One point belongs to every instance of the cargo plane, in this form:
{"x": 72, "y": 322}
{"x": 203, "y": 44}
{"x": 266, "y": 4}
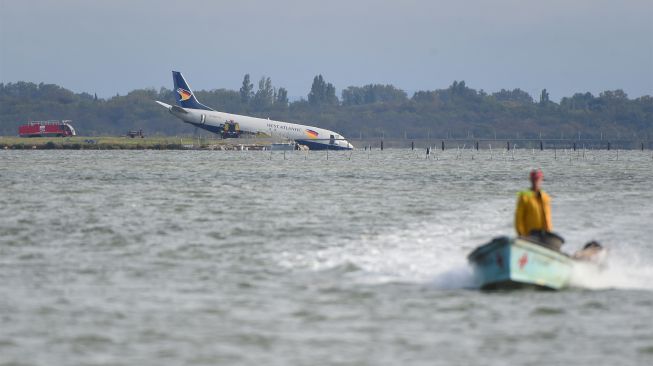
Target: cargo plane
{"x": 191, "y": 111}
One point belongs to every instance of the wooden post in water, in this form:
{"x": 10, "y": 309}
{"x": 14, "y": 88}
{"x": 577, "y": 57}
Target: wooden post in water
{"x": 541, "y": 145}
{"x": 412, "y": 145}
{"x": 381, "y": 145}
{"x": 476, "y": 145}
{"x": 574, "y": 146}
{"x": 508, "y": 145}
{"x": 608, "y": 145}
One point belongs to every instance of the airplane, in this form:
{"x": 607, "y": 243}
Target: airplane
{"x": 191, "y": 111}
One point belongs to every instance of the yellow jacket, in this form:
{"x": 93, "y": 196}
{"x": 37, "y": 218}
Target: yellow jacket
{"x": 533, "y": 212}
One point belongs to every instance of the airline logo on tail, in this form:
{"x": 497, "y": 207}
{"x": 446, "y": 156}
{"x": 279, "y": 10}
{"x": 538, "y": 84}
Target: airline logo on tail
{"x": 184, "y": 94}
{"x": 312, "y": 134}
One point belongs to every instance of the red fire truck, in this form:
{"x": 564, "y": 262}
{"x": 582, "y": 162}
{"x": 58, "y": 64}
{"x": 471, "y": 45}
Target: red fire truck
{"x": 46, "y": 129}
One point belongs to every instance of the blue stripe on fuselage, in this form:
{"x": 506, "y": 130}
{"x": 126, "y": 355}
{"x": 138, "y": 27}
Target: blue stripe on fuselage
{"x": 313, "y": 145}
{"x": 210, "y": 128}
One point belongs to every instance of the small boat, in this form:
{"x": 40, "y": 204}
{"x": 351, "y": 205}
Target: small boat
{"x": 511, "y": 263}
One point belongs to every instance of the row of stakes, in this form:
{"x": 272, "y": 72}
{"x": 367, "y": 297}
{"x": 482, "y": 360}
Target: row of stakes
{"x": 460, "y": 152}
{"x": 412, "y": 146}
{"x": 430, "y": 149}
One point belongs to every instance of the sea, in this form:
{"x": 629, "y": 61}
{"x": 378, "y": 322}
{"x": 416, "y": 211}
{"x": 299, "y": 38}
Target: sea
{"x": 313, "y": 258}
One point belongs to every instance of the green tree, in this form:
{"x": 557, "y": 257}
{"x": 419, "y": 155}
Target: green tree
{"x": 457, "y": 110}
{"x": 544, "y": 98}
{"x": 371, "y": 93}
{"x": 281, "y": 97}
{"x": 516, "y": 95}
{"x": 246, "y": 91}
{"x": 353, "y": 95}
{"x": 614, "y": 95}
{"x": 330, "y": 95}
{"x": 578, "y": 101}
{"x": 318, "y": 91}
{"x": 322, "y": 93}
{"x": 264, "y": 96}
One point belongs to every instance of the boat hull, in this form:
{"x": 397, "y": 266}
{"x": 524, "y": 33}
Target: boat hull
{"x": 508, "y": 263}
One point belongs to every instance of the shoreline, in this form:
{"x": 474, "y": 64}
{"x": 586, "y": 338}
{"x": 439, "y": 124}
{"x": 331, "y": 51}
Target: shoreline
{"x": 128, "y": 143}
{"x": 264, "y": 143}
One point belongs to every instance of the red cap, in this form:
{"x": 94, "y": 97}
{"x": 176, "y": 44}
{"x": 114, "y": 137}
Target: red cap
{"x": 536, "y": 174}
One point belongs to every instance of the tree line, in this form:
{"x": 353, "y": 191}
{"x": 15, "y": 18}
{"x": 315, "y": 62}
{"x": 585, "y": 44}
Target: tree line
{"x": 367, "y": 111}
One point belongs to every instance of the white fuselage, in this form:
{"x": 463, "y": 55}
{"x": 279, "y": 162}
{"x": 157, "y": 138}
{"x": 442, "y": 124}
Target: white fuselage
{"x": 314, "y": 137}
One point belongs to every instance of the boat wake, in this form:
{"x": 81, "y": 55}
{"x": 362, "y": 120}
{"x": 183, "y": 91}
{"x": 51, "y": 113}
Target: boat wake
{"x": 422, "y": 253}
{"x": 624, "y": 269}
{"x": 435, "y": 255}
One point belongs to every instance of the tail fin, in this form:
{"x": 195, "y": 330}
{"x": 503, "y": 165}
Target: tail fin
{"x": 185, "y": 97}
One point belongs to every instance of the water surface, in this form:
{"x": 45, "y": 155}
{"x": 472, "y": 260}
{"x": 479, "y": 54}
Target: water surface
{"x": 355, "y": 258}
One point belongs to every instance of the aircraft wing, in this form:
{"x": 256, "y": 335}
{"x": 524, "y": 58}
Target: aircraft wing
{"x": 163, "y": 104}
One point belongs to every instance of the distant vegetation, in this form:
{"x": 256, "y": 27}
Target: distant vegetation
{"x": 371, "y": 111}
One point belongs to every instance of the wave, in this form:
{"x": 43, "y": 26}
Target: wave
{"x": 625, "y": 268}
{"x": 431, "y": 254}
{"x": 435, "y": 255}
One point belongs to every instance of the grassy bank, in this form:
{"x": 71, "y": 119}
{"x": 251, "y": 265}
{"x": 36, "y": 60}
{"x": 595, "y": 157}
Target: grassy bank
{"x": 125, "y": 143}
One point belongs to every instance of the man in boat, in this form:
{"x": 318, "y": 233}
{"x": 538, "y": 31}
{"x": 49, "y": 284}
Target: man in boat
{"x": 533, "y": 214}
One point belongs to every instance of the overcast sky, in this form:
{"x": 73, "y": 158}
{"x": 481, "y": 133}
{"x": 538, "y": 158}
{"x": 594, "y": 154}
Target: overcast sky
{"x": 111, "y": 47}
